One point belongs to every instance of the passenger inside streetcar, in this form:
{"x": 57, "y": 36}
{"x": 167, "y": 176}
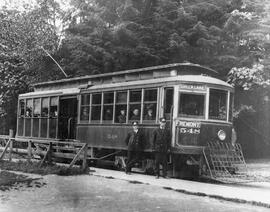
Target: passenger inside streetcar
{"x": 122, "y": 116}
{"x": 149, "y": 115}
{"x": 108, "y": 115}
{"x": 135, "y": 115}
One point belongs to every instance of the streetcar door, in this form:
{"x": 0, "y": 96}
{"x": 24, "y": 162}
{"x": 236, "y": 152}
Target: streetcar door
{"x": 67, "y": 117}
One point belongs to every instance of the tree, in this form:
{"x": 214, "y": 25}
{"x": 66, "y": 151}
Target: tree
{"x": 22, "y": 36}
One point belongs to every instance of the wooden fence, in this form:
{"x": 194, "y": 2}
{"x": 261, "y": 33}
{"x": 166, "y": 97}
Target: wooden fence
{"x": 46, "y": 150}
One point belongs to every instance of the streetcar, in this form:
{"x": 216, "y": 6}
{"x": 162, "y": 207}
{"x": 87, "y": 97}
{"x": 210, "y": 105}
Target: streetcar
{"x": 99, "y": 109}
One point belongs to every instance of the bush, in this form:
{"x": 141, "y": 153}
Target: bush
{"x": 33, "y": 167}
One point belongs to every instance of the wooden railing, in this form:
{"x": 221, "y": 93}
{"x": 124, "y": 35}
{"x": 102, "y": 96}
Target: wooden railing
{"x": 47, "y": 150}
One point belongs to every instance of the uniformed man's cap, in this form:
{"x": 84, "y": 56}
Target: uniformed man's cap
{"x": 135, "y": 123}
{"x": 162, "y": 119}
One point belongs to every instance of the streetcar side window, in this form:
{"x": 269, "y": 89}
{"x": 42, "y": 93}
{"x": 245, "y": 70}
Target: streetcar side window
{"x": 96, "y": 107}
{"x": 218, "y": 104}
{"x": 168, "y": 102}
{"x": 54, "y": 107}
{"x": 135, "y": 98}
{"x": 28, "y": 115}
{"x": 45, "y": 107}
{"x": 29, "y": 108}
{"x": 44, "y": 114}
{"x": 108, "y": 106}
{"x": 191, "y": 105}
{"x": 37, "y": 107}
{"x": 85, "y": 106}
{"x": 53, "y": 116}
{"x": 150, "y": 105}
{"x": 22, "y": 107}
{"x": 121, "y": 107}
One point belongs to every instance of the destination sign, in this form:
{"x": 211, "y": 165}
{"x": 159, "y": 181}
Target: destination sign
{"x": 192, "y": 87}
{"x": 189, "y": 127}
{"x": 190, "y": 124}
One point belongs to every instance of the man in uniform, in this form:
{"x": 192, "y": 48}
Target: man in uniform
{"x": 135, "y": 143}
{"x": 161, "y": 143}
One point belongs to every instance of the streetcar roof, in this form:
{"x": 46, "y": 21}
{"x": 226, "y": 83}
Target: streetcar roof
{"x": 195, "y": 79}
{"x": 66, "y": 91}
{"x": 129, "y": 75}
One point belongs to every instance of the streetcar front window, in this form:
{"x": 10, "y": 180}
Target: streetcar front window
{"x": 191, "y": 105}
{"x": 218, "y": 104}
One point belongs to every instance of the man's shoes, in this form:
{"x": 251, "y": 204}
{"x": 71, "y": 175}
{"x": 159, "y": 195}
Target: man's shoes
{"x": 128, "y": 173}
{"x": 157, "y": 176}
{"x": 166, "y": 177}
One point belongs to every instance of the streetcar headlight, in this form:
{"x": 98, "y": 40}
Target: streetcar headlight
{"x": 221, "y": 135}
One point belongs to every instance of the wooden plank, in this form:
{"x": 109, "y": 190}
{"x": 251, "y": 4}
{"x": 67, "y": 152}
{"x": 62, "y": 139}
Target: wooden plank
{"x": 62, "y": 155}
{"x": 4, "y": 137}
{"x": 77, "y": 156}
{"x": 48, "y": 152}
{"x": 29, "y": 150}
{"x": 6, "y": 147}
{"x": 48, "y": 141}
{"x": 11, "y": 136}
{"x": 84, "y": 164}
{"x": 10, "y": 150}
{"x": 65, "y": 148}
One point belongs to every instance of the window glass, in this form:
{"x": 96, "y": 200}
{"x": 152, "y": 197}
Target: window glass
{"x": 85, "y": 106}
{"x": 96, "y": 99}
{"x": 108, "y": 106}
{"x": 108, "y": 98}
{"x": 135, "y": 96}
{"x": 29, "y": 108}
{"x": 85, "y": 99}
{"x": 108, "y": 112}
{"x": 22, "y": 107}
{"x": 135, "y": 105}
{"x": 53, "y": 107}
{"x": 95, "y": 114}
{"x": 37, "y": 107}
{"x": 218, "y": 104}
{"x": 168, "y": 100}
{"x": 191, "y": 105}
{"x": 121, "y": 107}
{"x": 96, "y": 107}
{"x": 150, "y": 105}
{"x": 45, "y": 107}
{"x": 85, "y": 113}
{"x": 121, "y": 97}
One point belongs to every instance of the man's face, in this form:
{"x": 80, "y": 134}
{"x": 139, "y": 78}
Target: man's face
{"x": 135, "y": 127}
{"x": 162, "y": 124}
{"x": 123, "y": 112}
{"x": 136, "y": 112}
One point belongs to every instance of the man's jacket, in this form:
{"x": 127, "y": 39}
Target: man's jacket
{"x": 135, "y": 141}
{"x": 161, "y": 140}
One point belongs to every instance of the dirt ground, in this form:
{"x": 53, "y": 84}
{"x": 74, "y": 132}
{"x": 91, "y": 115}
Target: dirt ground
{"x": 92, "y": 193}
{"x": 29, "y": 192}
{"x": 10, "y": 181}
